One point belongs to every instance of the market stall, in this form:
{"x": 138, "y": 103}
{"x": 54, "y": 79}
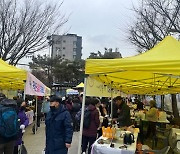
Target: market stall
{"x": 11, "y": 78}
{"x": 81, "y": 85}
{"x": 156, "y": 71}
{"x": 72, "y": 92}
{"x": 116, "y": 146}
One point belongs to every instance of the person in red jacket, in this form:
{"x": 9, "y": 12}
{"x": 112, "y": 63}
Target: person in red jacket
{"x": 90, "y": 134}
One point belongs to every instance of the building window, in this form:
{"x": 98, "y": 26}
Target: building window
{"x": 58, "y": 42}
{"x": 64, "y": 41}
{"x": 64, "y": 48}
{"x": 74, "y": 49}
{"x": 74, "y": 42}
{"x": 74, "y": 53}
{"x": 74, "y": 56}
{"x": 58, "y": 49}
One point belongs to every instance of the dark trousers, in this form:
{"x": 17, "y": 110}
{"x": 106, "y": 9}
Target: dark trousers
{"x": 99, "y": 132}
{"x": 38, "y": 121}
{"x": 16, "y": 150}
{"x": 87, "y": 142}
{"x": 7, "y": 148}
{"x": 45, "y": 115}
{"x": 76, "y": 126}
{"x": 151, "y": 129}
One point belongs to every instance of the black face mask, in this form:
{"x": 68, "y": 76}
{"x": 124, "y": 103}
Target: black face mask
{"x": 53, "y": 108}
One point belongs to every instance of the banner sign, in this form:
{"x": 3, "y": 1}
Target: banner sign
{"x": 34, "y": 86}
{"x": 98, "y": 89}
{"x": 48, "y": 91}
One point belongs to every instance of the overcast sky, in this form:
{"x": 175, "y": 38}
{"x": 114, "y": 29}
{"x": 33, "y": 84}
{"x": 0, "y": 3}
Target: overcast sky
{"x": 101, "y": 23}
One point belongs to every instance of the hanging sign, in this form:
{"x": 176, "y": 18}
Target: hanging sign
{"x": 96, "y": 88}
{"x": 34, "y": 86}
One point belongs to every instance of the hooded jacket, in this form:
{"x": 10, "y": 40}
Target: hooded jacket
{"x": 58, "y": 131}
{"x": 23, "y": 121}
{"x": 95, "y": 122}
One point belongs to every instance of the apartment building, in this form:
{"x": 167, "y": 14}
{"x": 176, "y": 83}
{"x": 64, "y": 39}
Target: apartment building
{"x": 67, "y": 46}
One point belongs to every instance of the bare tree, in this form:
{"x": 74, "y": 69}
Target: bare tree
{"x": 155, "y": 20}
{"x": 108, "y": 54}
{"x": 24, "y": 25}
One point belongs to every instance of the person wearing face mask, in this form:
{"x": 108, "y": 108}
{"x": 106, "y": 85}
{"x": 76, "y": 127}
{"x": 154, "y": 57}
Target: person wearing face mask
{"x": 24, "y": 121}
{"x": 59, "y": 130}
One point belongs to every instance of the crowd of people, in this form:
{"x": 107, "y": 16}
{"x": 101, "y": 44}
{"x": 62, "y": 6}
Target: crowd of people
{"x": 13, "y": 121}
{"x": 62, "y": 118}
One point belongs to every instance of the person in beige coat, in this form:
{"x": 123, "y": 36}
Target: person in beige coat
{"x": 152, "y": 114}
{"x": 152, "y": 117}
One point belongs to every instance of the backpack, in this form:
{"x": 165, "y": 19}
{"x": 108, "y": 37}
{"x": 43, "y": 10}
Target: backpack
{"x": 9, "y": 124}
{"x": 87, "y": 118}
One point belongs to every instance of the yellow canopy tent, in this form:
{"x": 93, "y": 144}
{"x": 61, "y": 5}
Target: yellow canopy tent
{"x": 156, "y": 71}
{"x": 48, "y": 91}
{"x": 72, "y": 92}
{"x": 81, "y": 85}
{"x": 11, "y": 77}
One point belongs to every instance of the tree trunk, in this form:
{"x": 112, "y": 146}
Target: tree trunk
{"x": 174, "y": 106}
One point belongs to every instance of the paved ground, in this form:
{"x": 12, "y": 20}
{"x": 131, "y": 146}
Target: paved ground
{"x": 36, "y": 143}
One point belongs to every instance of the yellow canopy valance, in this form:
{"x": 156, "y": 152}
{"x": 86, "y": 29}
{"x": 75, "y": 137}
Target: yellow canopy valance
{"x": 11, "y": 77}
{"x": 156, "y": 71}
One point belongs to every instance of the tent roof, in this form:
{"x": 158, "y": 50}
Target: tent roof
{"x": 156, "y": 71}
{"x": 81, "y": 85}
{"x": 72, "y": 92}
{"x": 11, "y": 77}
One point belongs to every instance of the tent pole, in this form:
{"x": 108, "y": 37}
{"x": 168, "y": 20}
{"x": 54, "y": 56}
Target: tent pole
{"x": 82, "y": 116}
{"x": 162, "y": 102}
{"x": 24, "y": 96}
{"x": 111, "y": 101}
{"x": 35, "y": 125}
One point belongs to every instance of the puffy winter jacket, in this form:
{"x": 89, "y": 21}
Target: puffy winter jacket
{"x": 58, "y": 131}
{"x": 23, "y": 121}
{"x": 95, "y": 122}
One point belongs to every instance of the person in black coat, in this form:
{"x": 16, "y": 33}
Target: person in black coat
{"x": 75, "y": 109}
{"x": 123, "y": 112}
{"x": 139, "y": 105}
{"x": 59, "y": 130}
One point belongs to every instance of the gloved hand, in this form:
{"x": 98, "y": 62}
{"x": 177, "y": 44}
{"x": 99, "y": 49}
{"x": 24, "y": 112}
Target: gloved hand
{"x": 22, "y": 126}
{"x": 23, "y": 131}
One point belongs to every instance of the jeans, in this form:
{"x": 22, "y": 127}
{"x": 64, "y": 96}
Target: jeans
{"x": 85, "y": 141}
{"x": 7, "y": 148}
